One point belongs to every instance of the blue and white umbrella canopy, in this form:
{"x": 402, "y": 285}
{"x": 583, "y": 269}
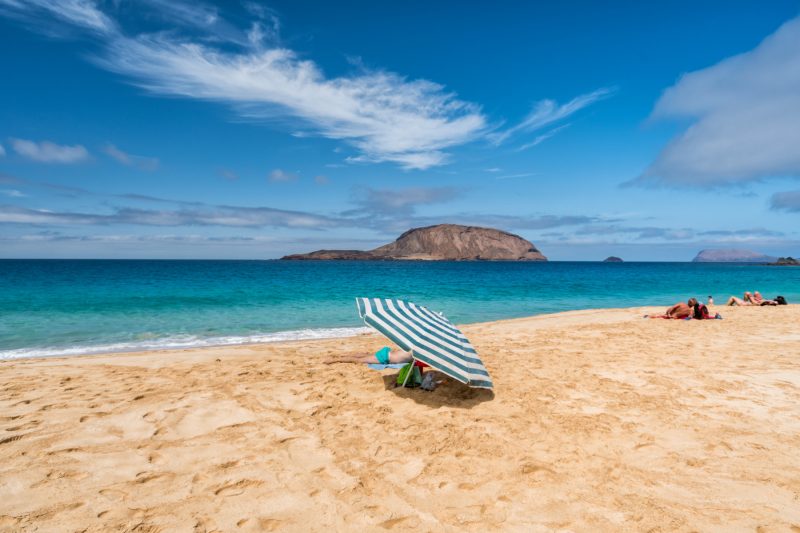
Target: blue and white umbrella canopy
{"x": 429, "y": 336}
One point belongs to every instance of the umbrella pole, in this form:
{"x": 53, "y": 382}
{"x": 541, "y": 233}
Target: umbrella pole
{"x": 410, "y": 370}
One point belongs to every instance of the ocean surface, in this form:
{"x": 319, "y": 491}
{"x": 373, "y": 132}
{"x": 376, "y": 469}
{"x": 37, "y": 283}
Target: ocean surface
{"x": 63, "y": 307}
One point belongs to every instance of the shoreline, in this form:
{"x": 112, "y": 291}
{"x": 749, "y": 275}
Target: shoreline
{"x": 600, "y": 420}
{"x": 328, "y": 333}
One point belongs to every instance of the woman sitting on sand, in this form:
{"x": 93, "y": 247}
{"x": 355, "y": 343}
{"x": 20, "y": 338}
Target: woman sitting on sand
{"x": 701, "y": 312}
{"x": 384, "y": 356}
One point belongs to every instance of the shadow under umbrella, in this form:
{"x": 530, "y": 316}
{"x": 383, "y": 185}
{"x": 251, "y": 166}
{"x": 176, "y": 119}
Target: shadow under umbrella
{"x": 450, "y": 393}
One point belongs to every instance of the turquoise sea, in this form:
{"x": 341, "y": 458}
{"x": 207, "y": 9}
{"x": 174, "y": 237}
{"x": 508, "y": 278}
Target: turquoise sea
{"x": 61, "y": 307}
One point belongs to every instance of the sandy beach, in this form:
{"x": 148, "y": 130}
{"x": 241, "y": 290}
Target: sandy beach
{"x": 600, "y": 421}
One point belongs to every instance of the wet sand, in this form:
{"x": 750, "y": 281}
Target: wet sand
{"x": 600, "y": 421}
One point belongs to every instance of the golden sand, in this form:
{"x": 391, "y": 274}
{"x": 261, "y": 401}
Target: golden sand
{"x": 600, "y": 421}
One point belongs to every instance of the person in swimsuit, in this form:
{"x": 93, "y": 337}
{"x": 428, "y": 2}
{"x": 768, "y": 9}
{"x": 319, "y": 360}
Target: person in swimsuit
{"x": 747, "y": 300}
{"x": 384, "y": 356}
{"x": 760, "y": 300}
{"x": 680, "y": 310}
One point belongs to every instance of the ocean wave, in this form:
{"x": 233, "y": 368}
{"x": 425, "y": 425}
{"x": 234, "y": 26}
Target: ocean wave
{"x": 182, "y": 341}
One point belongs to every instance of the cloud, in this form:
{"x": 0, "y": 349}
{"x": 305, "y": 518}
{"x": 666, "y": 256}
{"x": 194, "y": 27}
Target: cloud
{"x": 546, "y": 112}
{"x": 281, "y": 175}
{"x": 647, "y": 232}
{"x": 173, "y": 245}
{"x": 745, "y": 112}
{"x": 537, "y": 222}
{"x": 383, "y": 115}
{"x": 399, "y": 222}
{"x": 196, "y": 14}
{"x": 140, "y": 162}
{"x": 82, "y": 14}
{"x": 786, "y": 201}
{"x": 228, "y": 174}
{"x": 244, "y": 217}
{"x": 514, "y": 176}
{"x": 543, "y": 137}
{"x": 2, "y": 151}
{"x": 13, "y": 193}
{"x": 392, "y": 202}
{"x": 655, "y": 234}
{"x": 752, "y": 232}
{"x": 48, "y": 152}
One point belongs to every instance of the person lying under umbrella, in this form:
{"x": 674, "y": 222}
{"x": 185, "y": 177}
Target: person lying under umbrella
{"x": 384, "y": 356}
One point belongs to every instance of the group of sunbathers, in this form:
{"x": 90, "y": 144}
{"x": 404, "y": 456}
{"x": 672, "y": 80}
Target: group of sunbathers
{"x": 699, "y": 311}
{"x": 685, "y": 311}
{"x": 755, "y": 298}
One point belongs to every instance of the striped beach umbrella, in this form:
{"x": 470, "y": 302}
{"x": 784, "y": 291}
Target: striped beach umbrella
{"x": 429, "y": 336}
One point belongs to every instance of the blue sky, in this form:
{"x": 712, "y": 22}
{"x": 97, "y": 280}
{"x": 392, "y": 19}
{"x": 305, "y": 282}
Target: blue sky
{"x": 169, "y": 129}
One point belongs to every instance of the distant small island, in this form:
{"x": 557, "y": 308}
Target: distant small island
{"x": 786, "y": 261}
{"x": 612, "y": 259}
{"x": 729, "y": 255}
{"x": 444, "y": 242}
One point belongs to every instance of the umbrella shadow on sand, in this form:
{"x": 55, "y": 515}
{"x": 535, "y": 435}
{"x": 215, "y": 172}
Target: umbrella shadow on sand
{"x": 451, "y": 393}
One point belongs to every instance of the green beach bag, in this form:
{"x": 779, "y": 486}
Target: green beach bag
{"x": 414, "y": 380}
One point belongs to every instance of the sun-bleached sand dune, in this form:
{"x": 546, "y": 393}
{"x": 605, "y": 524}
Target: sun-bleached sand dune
{"x": 600, "y": 421}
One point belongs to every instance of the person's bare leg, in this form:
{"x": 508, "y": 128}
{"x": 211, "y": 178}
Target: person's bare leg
{"x": 397, "y": 356}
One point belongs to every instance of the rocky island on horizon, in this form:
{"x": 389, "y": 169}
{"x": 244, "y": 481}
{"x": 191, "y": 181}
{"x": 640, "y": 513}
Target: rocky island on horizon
{"x": 443, "y": 242}
{"x": 612, "y": 259}
{"x": 786, "y": 261}
{"x": 729, "y": 255}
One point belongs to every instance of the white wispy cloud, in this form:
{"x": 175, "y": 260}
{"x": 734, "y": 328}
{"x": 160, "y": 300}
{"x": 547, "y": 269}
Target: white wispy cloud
{"x": 543, "y": 137}
{"x": 547, "y": 112}
{"x": 514, "y": 176}
{"x": 13, "y": 193}
{"x": 383, "y": 115}
{"x": 746, "y": 111}
{"x": 130, "y": 160}
{"x": 278, "y": 175}
{"x": 2, "y": 151}
{"x": 80, "y": 13}
{"x": 49, "y": 152}
{"x": 198, "y": 14}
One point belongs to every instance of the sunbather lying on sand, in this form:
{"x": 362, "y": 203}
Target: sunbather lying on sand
{"x": 747, "y": 300}
{"x": 383, "y": 356}
{"x": 679, "y": 311}
{"x": 690, "y": 309}
{"x": 760, "y": 300}
{"x": 751, "y": 299}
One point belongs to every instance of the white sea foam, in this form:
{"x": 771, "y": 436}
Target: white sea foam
{"x": 182, "y": 341}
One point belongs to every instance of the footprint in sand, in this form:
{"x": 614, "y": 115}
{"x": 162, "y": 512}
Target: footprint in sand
{"x": 13, "y": 438}
{"x": 269, "y": 524}
{"x": 392, "y": 522}
{"x": 237, "y": 488}
{"x": 114, "y": 494}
